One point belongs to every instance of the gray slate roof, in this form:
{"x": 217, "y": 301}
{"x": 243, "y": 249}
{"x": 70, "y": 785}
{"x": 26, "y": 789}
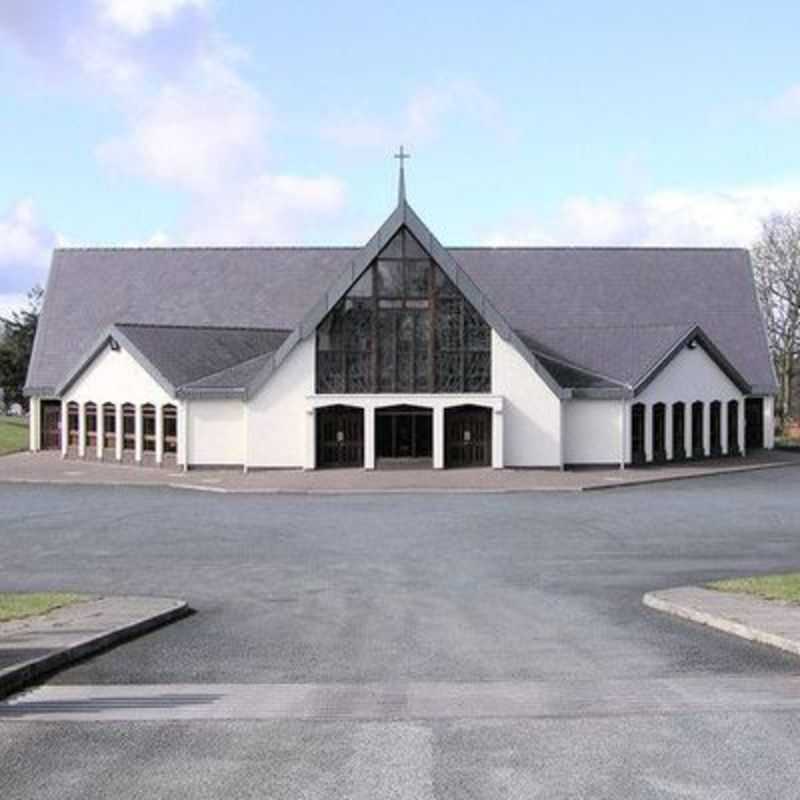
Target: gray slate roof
{"x": 185, "y": 354}
{"x": 609, "y": 314}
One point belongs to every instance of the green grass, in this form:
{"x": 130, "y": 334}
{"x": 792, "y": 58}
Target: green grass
{"x": 769, "y": 587}
{"x": 16, "y": 605}
{"x": 13, "y": 435}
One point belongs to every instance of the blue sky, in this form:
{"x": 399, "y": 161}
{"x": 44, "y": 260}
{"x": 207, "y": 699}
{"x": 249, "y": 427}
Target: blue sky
{"x": 141, "y": 122}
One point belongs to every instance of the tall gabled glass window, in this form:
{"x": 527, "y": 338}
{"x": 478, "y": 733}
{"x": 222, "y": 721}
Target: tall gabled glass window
{"x": 403, "y": 327}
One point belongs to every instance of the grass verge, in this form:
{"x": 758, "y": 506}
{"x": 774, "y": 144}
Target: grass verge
{"x": 16, "y": 605}
{"x": 13, "y": 435}
{"x": 769, "y": 587}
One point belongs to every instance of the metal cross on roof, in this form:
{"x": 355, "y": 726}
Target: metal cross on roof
{"x": 401, "y": 186}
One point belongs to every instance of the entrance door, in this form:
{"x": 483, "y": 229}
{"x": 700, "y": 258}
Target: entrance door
{"x": 468, "y": 436}
{"x": 340, "y": 437}
{"x": 403, "y": 433}
{"x": 753, "y": 423}
{"x": 50, "y": 437}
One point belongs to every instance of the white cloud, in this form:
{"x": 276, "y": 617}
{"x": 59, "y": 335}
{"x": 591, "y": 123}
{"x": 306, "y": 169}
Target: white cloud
{"x": 12, "y": 302}
{"x": 267, "y": 208}
{"x": 194, "y": 135}
{"x": 670, "y": 217}
{"x": 422, "y": 119}
{"x": 137, "y": 17}
{"x": 26, "y": 245}
{"x": 786, "y": 105}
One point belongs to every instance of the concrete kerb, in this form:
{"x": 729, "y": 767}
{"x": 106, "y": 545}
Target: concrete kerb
{"x": 20, "y": 676}
{"x": 665, "y": 602}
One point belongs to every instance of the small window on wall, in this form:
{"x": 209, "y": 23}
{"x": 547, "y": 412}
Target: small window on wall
{"x": 109, "y": 426}
{"x": 73, "y": 424}
{"x": 128, "y": 427}
{"x": 149, "y": 428}
{"x": 91, "y": 424}
{"x": 170, "y": 429}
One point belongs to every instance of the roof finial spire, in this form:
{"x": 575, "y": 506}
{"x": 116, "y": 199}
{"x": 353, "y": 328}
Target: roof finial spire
{"x": 401, "y": 185}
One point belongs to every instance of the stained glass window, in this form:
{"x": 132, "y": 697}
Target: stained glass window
{"x": 403, "y": 327}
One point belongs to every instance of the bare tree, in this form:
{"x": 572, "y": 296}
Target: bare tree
{"x": 776, "y": 261}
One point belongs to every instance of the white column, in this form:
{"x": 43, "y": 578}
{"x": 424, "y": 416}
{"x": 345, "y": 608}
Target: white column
{"x": 438, "y": 437}
{"x": 741, "y": 426}
{"x": 118, "y": 435}
{"x": 562, "y": 436}
{"x": 687, "y": 429}
{"x": 648, "y": 432}
{"x": 64, "y": 429}
{"x": 369, "y": 437}
{"x": 769, "y": 422}
{"x": 100, "y": 429}
{"x": 34, "y": 423}
{"x": 311, "y": 439}
{"x": 623, "y": 434}
{"x": 668, "y": 431}
{"x": 139, "y": 434}
{"x": 498, "y": 461}
{"x": 159, "y": 434}
{"x": 182, "y": 456}
{"x": 706, "y": 429}
{"x": 723, "y": 421}
{"x": 81, "y": 430}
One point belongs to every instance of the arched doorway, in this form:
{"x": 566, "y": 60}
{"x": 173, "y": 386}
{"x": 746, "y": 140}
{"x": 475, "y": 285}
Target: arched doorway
{"x": 468, "y": 436}
{"x": 659, "y": 432}
{"x": 754, "y": 423}
{"x": 637, "y": 434}
{"x": 733, "y": 428}
{"x": 715, "y": 422}
{"x": 678, "y": 431}
{"x": 340, "y": 436}
{"x": 698, "y": 451}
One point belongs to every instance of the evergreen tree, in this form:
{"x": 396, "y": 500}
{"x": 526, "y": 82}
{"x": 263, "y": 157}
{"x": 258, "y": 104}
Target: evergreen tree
{"x": 16, "y": 343}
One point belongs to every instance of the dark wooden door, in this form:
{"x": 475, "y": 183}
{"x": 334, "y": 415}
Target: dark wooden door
{"x": 754, "y": 423}
{"x": 468, "y": 437}
{"x": 50, "y": 437}
{"x": 340, "y": 437}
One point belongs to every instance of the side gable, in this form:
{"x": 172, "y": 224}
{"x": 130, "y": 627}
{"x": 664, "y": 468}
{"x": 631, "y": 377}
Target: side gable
{"x": 403, "y": 215}
{"x": 111, "y": 339}
{"x": 694, "y": 336}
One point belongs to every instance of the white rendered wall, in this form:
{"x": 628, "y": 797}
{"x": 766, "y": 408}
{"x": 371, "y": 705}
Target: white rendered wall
{"x": 117, "y": 377}
{"x": 215, "y": 433}
{"x": 691, "y": 375}
{"x": 592, "y": 432}
{"x": 276, "y": 415}
{"x": 531, "y": 411}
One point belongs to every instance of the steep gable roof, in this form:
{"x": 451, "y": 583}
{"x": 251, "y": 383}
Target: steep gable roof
{"x": 606, "y": 312}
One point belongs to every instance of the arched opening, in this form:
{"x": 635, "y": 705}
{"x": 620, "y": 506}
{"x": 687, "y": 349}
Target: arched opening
{"x": 697, "y": 430}
{"x": 468, "y": 436}
{"x": 733, "y": 428}
{"x": 149, "y": 428}
{"x": 637, "y": 434}
{"x": 678, "y": 431}
{"x": 129, "y": 427}
{"x": 754, "y": 423}
{"x": 403, "y": 433}
{"x": 170, "y": 430}
{"x": 715, "y": 423}
{"x": 73, "y": 424}
{"x": 109, "y": 426}
{"x": 659, "y": 432}
{"x": 90, "y": 417}
{"x": 340, "y": 436}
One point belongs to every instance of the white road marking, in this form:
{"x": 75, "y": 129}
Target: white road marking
{"x": 407, "y": 702}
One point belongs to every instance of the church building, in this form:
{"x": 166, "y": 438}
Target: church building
{"x": 402, "y": 351}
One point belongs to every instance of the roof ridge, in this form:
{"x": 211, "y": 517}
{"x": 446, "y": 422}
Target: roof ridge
{"x": 187, "y": 247}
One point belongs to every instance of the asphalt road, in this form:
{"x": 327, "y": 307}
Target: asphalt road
{"x": 401, "y": 646}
